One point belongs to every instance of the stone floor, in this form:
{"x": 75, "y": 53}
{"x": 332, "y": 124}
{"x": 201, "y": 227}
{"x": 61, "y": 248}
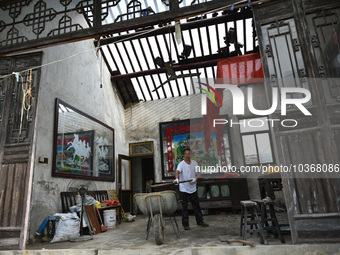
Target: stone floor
{"x": 129, "y": 237}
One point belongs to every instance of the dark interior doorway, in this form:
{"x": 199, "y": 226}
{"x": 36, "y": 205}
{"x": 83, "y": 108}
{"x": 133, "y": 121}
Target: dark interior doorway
{"x": 148, "y": 172}
{"x": 142, "y": 173}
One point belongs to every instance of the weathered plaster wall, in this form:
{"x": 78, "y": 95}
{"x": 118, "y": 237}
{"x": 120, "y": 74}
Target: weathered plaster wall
{"x": 77, "y": 82}
{"x": 142, "y": 123}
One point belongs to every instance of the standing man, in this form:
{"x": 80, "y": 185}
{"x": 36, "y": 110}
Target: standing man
{"x": 188, "y": 191}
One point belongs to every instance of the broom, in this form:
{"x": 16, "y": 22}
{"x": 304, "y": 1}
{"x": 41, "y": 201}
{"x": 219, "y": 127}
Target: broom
{"x": 102, "y": 227}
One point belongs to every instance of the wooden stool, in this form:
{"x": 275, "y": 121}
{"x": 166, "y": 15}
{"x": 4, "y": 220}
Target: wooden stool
{"x": 269, "y": 224}
{"x": 250, "y": 209}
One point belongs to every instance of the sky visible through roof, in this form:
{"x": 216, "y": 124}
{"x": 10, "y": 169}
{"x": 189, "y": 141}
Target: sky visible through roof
{"x": 135, "y": 55}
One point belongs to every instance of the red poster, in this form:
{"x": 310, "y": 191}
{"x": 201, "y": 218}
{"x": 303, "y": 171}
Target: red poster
{"x": 240, "y": 70}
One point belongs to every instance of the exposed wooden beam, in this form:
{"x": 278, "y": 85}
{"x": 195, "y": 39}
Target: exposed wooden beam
{"x": 6, "y": 2}
{"x": 132, "y": 24}
{"x": 97, "y": 13}
{"x": 184, "y": 26}
{"x": 162, "y": 70}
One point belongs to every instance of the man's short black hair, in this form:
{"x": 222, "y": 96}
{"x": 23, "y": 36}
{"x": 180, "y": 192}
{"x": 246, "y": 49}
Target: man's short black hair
{"x": 186, "y": 149}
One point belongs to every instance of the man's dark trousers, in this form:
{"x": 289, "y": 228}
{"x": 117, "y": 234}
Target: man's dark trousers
{"x": 193, "y": 198}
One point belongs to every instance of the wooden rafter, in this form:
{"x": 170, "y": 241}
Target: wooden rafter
{"x": 186, "y": 26}
{"x": 98, "y": 29}
{"x": 162, "y": 70}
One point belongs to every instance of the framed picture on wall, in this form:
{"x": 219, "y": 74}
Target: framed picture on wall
{"x": 176, "y": 136}
{"x": 83, "y": 146}
{"x": 74, "y": 153}
{"x": 141, "y": 149}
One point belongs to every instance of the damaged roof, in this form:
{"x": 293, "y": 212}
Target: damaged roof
{"x": 153, "y": 48}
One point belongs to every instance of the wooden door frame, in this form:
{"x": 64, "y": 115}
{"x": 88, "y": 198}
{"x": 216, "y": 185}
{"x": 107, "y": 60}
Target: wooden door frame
{"x": 119, "y": 176}
{"x": 31, "y": 144}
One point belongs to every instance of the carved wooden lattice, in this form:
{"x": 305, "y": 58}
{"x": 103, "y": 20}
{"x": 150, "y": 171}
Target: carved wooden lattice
{"x": 39, "y": 17}
{"x": 19, "y": 122}
{"x": 5, "y": 66}
{"x": 325, "y": 37}
{"x": 45, "y": 19}
{"x": 15, "y": 8}
{"x": 13, "y": 37}
{"x": 86, "y": 7}
{"x": 52, "y": 18}
{"x": 38, "y": 23}
{"x": 134, "y": 10}
{"x": 65, "y": 26}
{"x": 166, "y": 2}
{"x": 2, "y": 99}
{"x": 2, "y": 25}
{"x": 282, "y": 45}
{"x": 106, "y": 5}
{"x": 14, "y": 92}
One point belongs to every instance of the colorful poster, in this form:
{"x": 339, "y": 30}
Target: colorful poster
{"x": 195, "y": 142}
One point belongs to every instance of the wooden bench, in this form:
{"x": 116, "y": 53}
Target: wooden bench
{"x": 68, "y": 199}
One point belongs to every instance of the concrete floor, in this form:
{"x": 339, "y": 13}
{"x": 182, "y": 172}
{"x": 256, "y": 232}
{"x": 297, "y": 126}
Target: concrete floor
{"x": 129, "y": 237}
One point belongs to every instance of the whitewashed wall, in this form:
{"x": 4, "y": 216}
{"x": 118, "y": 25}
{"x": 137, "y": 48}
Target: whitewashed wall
{"x": 77, "y": 82}
{"x": 142, "y": 121}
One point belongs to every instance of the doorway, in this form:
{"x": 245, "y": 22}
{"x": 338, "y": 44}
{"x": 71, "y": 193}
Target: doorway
{"x": 142, "y": 175}
{"x": 125, "y": 182}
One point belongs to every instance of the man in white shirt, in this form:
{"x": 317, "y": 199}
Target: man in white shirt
{"x": 188, "y": 191}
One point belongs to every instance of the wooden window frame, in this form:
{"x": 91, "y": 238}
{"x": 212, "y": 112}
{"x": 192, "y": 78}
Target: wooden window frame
{"x": 131, "y": 145}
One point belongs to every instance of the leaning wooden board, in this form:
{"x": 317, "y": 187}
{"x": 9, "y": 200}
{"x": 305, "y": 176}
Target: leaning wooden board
{"x": 92, "y": 216}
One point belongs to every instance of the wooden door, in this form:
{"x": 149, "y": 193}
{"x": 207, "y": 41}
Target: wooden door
{"x": 16, "y": 146}
{"x": 124, "y": 182}
{"x": 297, "y": 42}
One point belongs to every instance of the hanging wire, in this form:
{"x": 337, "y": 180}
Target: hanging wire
{"x": 74, "y": 55}
{"x": 101, "y": 70}
{"x": 27, "y": 96}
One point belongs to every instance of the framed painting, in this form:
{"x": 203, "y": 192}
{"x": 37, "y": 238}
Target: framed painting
{"x": 175, "y": 136}
{"x": 141, "y": 149}
{"x": 83, "y": 146}
{"x": 74, "y": 153}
